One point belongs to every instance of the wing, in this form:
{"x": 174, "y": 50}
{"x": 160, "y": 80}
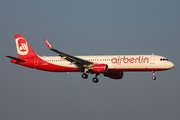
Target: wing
{"x": 81, "y": 63}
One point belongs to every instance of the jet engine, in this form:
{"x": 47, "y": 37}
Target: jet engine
{"x": 114, "y": 75}
{"x": 99, "y": 68}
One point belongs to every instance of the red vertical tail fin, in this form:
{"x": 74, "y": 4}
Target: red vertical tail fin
{"x": 24, "y": 50}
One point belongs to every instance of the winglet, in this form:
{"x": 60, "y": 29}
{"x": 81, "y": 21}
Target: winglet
{"x": 47, "y": 43}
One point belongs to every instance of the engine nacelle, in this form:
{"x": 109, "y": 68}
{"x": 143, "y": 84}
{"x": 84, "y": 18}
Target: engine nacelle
{"x": 114, "y": 75}
{"x": 100, "y": 68}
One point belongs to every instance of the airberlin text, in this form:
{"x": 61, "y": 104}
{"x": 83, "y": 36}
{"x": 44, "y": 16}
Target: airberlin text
{"x": 125, "y": 59}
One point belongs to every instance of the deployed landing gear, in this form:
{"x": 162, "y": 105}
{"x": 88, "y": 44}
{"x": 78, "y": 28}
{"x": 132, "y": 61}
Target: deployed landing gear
{"x": 95, "y": 79}
{"x": 84, "y": 75}
{"x": 153, "y": 75}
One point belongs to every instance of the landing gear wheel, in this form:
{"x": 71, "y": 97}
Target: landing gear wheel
{"x": 153, "y": 77}
{"x": 84, "y": 75}
{"x": 95, "y": 80}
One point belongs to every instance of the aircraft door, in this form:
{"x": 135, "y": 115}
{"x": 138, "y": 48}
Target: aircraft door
{"x": 152, "y": 59}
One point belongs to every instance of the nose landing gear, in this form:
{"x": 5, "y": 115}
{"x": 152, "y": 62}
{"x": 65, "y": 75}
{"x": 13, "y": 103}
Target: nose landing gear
{"x": 153, "y": 75}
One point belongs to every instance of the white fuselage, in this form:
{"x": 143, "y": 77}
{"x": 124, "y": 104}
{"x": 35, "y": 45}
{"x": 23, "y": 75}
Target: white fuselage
{"x": 118, "y": 62}
{"x": 111, "y": 66}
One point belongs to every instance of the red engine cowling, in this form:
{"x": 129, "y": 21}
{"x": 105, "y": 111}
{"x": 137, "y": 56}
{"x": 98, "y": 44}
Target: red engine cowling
{"x": 114, "y": 75}
{"x": 100, "y": 68}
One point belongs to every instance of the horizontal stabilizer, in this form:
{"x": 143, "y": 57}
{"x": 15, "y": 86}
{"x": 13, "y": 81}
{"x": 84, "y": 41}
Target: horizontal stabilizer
{"x": 17, "y": 59}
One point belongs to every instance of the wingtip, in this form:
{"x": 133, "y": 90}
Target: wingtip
{"x": 6, "y": 55}
{"x": 47, "y": 43}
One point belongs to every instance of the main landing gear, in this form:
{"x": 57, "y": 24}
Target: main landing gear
{"x": 84, "y": 75}
{"x": 153, "y": 75}
{"x": 95, "y": 79}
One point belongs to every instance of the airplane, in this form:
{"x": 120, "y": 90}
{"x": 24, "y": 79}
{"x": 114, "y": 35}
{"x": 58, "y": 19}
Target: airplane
{"x": 112, "y": 66}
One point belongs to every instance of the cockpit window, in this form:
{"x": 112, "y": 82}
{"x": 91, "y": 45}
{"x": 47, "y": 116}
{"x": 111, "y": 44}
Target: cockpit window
{"x": 164, "y": 59}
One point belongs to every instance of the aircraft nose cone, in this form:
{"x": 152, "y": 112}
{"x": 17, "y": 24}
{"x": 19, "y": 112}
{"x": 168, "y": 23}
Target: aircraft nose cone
{"x": 171, "y": 65}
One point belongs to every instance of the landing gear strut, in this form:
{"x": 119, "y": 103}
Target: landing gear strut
{"x": 95, "y": 79}
{"x": 84, "y": 75}
{"x": 153, "y": 75}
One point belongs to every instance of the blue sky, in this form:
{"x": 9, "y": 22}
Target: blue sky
{"x": 96, "y": 27}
